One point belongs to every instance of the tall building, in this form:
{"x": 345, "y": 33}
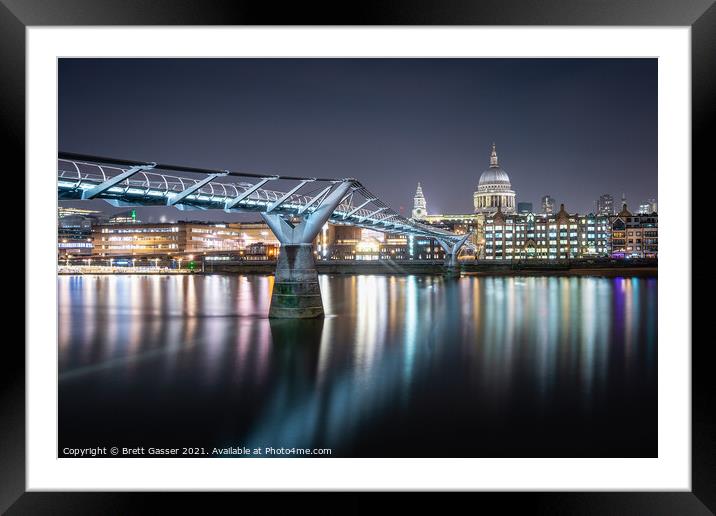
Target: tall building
{"x": 605, "y": 205}
{"x": 634, "y": 236}
{"x": 648, "y": 207}
{"x": 547, "y": 205}
{"x": 420, "y": 208}
{"x": 494, "y": 189}
{"x": 524, "y": 208}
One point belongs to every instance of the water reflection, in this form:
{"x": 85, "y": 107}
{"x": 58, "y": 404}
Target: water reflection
{"x": 480, "y": 366}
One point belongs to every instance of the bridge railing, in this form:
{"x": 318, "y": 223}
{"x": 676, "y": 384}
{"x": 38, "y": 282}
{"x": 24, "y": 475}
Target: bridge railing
{"x": 80, "y": 172}
{"x": 151, "y": 186}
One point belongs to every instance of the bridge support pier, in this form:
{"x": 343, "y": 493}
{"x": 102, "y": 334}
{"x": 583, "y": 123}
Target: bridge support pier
{"x": 451, "y": 266}
{"x": 296, "y": 293}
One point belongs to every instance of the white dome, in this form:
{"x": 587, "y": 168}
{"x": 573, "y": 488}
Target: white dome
{"x": 494, "y": 190}
{"x": 495, "y": 176}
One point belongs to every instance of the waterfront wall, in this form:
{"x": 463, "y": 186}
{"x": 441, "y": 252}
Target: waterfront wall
{"x": 648, "y": 267}
{"x": 641, "y": 267}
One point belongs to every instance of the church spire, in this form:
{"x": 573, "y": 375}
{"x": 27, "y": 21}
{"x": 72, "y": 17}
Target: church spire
{"x": 493, "y": 157}
{"x": 420, "y": 208}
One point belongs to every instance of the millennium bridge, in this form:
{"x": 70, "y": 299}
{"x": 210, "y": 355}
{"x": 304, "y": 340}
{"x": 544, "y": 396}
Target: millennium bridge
{"x": 295, "y": 208}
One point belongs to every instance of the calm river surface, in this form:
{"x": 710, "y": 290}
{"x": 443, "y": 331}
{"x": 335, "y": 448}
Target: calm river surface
{"x": 401, "y": 366}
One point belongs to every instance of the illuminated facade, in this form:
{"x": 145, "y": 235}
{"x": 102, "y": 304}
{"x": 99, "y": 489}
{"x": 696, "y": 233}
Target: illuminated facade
{"x": 338, "y": 242}
{"x": 605, "y": 205}
{"x": 559, "y": 236}
{"x": 420, "y": 208}
{"x": 461, "y": 224}
{"x": 125, "y": 217}
{"x": 162, "y": 239}
{"x": 494, "y": 189}
{"x": 594, "y": 235}
{"x": 64, "y": 211}
{"x": 74, "y": 231}
{"x": 648, "y": 207}
{"x": 634, "y": 236}
{"x": 547, "y": 205}
{"x": 74, "y": 236}
{"x": 524, "y": 208}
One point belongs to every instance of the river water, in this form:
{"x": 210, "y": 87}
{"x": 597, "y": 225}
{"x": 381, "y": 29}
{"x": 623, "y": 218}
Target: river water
{"x": 401, "y": 366}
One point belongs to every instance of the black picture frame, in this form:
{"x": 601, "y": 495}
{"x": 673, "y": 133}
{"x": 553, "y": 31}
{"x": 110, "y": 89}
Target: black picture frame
{"x": 700, "y": 15}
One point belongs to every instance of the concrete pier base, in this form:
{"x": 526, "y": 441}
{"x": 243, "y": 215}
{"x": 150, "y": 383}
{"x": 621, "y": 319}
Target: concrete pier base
{"x": 296, "y": 294}
{"x": 451, "y": 271}
{"x": 451, "y": 268}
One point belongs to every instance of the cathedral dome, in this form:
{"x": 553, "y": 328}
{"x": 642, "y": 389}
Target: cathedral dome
{"x": 494, "y": 191}
{"x": 494, "y": 175}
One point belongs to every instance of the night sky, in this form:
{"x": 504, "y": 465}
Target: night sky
{"x": 571, "y": 128}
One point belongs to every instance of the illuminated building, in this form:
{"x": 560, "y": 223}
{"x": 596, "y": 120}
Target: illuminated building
{"x": 63, "y": 211}
{"x": 593, "y": 231}
{"x": 395, "y": 247}
{"x": 368, "y": 249}
{"x": 74, "y": 236}
{"x": 170, "y": 239}
{"x": 547, "y": 205}
{"x": 634, "y": 236}
{"x": 494, "y": 189}
{"x": 74, "y": 231}
{"x": 647, "y": 207}
{"x": 506, "y": 236}
{"x": 427, "y": 249}
{"x": 337, "y": 242}
{"x": 125, "y": 217}
{"x": 473, "y": 223}
{"x": 557, "y": 236}
{"x": 420, "y": 208}
{"x": 605, "y": 205}
{"x": 523, "y": 208}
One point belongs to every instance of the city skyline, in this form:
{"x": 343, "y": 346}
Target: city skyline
{"x": 573, "y": 129}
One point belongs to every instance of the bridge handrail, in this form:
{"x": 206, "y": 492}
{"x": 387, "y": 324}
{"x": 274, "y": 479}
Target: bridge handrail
{"x": 372, "y": 212}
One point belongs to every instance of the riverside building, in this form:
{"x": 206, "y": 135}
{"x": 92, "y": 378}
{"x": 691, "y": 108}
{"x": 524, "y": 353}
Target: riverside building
{"x": 634, "y": 235}
{"x": 559, "y": 236}
{"x": 159, "y": 240}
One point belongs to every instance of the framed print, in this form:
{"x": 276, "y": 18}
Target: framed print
{"x": 441, "y": 248}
